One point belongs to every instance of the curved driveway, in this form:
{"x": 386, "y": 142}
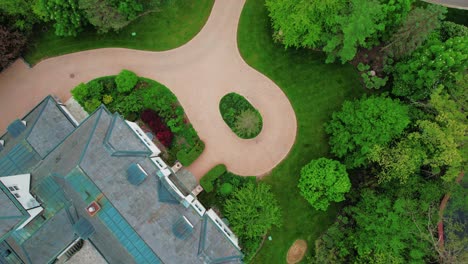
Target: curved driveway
{"x": 199, "y": 73}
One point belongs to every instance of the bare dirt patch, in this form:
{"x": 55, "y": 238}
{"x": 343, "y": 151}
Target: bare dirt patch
{"x": 297, "y": 251}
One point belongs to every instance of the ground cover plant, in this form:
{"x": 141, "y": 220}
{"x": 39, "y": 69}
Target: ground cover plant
{"x": 138, "y": 98}
{"x": 315, "y": 90}
{"x": 240, "y": 115}
{"x": 169, "y": 25}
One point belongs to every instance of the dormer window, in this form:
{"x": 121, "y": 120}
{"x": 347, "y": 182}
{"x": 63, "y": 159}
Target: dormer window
{"x": 17, "y": 195}
{"x": 13, "y": 188}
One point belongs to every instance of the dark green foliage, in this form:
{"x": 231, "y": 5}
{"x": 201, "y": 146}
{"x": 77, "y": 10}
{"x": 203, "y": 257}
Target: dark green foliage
{"x": 250, "y": 247}
{"x": 363, "y": 123}
{"x": 415, "y": 30}
{"x": 187, "y": 156}
{"x": 66, "y": 15}
{"x": 18, "y": 15}
{"x": 240, "y": 115}
{"x": 210, "y": 177}
{"x": 451, "y": 30}
{"x": 386, "y": 224}
{"x": 253, "y": 210}
{"x": 323, "y": 181}
{"x": 437, "y": 63}
{"x": 225, "y": 189}
{"x": 126, "y": 81}
{"x": 108, "y": 15}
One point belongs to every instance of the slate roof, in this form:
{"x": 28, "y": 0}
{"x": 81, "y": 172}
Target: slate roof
{"x": 134, "y": 225}
{"x": 12, "y": 213}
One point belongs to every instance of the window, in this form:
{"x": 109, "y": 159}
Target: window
{"x": 13, "y": 188}
{"x": 17, "y": 195}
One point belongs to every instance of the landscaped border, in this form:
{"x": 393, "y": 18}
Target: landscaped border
{"x": 148, "y": 103}
{"x": 239, "y": 114}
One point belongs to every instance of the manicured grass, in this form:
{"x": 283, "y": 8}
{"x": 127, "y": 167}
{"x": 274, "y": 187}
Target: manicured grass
{"x": 172, "y": 25}
{"x": 315, "y": 90}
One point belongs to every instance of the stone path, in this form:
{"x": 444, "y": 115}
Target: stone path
{"x": 199, "y": 73}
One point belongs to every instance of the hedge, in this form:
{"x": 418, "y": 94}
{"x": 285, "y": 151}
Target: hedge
{"x": 187, "y": 157}
{"x": 210, "y": 177}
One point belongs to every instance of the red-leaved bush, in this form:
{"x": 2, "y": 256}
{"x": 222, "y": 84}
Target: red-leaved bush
{"x": 157, "y": 125}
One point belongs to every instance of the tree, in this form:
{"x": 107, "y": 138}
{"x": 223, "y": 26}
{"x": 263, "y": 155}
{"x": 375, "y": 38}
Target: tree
{"x": 437, "y": 63}
{"x": 110, "y": 15}
{"x": 363, "y": 123}
{"x": 11, "y": 44}
{"x": 450, "y": 30}
{"x": 304, "y": 23}
{"x": 383, "y": 226}
{"x": 398, "y": 162}
{"x": 252, "y": 210}
{"x": 323, "y": 181}
{"x": 18, "y": 14}
{"x": 363, "y": 21}
{"x": 125, "y": 81}
{"x": 414, "y": 31}
{"x": 337, "y": 27}
{"x": 67, "y": 17}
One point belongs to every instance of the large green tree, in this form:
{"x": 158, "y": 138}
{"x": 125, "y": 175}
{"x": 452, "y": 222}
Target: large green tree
{"x": 384, "y": 226}
{"x": 338, "y": 27}
{"x": 364, "y": 123}
{"x": 323, "y": 181}
{"x": 108, "y": 15}
{"x": 66, "y": 15}
{"x": 436, "y": 63}
{"x": 252, "y": 211}
{"x": 415, "y": 30}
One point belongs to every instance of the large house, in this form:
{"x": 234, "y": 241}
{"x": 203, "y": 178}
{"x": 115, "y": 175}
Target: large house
{"x": 100, "y": 181}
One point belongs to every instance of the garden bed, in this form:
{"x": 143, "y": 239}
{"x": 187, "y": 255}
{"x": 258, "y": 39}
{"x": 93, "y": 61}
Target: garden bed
{"x": 243, "y": 119}
{"x": 149, "y": 103}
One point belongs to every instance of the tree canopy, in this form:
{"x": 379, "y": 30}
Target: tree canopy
{"x": 252, "y": 210}
{"x": 364, "y": 123}
{"x": 323, "y": 181}
{"x": 437, "y": 63}
{"x": 337, "y": 27}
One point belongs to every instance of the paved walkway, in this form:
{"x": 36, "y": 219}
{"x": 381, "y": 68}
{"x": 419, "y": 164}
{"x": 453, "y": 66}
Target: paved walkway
{"x": 199, "y": 73}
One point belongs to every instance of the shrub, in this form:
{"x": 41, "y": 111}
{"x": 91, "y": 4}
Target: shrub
{"x": 91, "y": 105}
{"x": 80, "y": 93}
{"x": 188, "y": 156}
{"x": 225, "y": 189}
{"x": 107, "y": 99}
{"x": 162, "y": 132}
{"x": 95, "y": 89}
{"x": 208, "y": 180}
{"x": 125, "y": 81}
{"x": 243, "y": 119}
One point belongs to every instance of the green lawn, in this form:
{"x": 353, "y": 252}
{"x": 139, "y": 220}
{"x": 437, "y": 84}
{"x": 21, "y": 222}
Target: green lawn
{"x": 315, "y": 90}
{"x": 174, "y": 24}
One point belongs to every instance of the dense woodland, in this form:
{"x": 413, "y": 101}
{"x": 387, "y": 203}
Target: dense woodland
{"x": 403, "y": 144}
